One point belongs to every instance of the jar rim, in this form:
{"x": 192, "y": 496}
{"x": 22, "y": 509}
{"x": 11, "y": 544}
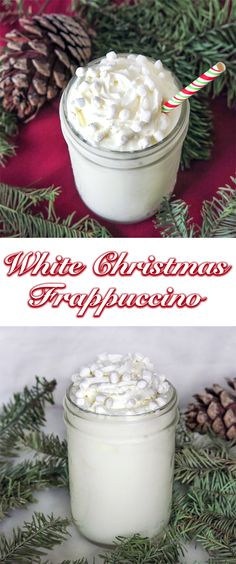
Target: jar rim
{"x": 90, "y": 415}
{"x": 115, "y": 154}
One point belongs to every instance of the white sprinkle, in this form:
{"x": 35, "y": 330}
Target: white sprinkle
{"x": 158, "y": 136}
{"x": 108, "y": 368}
{"x": 109, "y": 403}
{"x": 158, "y": 65}
{"x": 80, "y": 102}
{"x": 145, "y": 103}
{"x": 145, "y": 116}
{"x": 111, "y": 56}
{"x": 85, "y": 371}
{"x": 142, "y": 91}
{"x": 142, "y": 384}
{"x": 80, "y": 72}
{"x": 114, "y": 378}
{"x": 124, "y": 115}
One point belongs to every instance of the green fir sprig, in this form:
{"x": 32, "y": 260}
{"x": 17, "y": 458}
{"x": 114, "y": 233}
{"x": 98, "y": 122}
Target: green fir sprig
{"x": 203, "y": 509}
{"x": 19, "y": 215}
{"x": 8, "y": 129}
{"x": 218, "y": 216}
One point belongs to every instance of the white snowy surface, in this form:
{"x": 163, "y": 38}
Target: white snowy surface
{"x": 190, "y": 358}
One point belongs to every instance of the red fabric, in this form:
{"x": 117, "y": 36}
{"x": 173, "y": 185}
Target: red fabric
{"x": 42, "y": 160}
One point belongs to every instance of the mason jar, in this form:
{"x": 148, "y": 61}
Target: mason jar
{"x": 124, "y": 186}
{"x": 120, "y": 470}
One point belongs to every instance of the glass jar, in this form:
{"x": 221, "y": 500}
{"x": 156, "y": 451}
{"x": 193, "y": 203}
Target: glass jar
{"x": 120, "y": 470}
{"x": 124, "y": 186}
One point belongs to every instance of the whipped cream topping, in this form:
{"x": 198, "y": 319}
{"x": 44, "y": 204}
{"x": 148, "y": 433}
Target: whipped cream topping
{"x": 117, "y": 384}
{"x": 116, "y": 103}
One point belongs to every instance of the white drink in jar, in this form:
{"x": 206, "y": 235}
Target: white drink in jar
{"x": 124, "y": 151}
{"x": 121, "y": 418}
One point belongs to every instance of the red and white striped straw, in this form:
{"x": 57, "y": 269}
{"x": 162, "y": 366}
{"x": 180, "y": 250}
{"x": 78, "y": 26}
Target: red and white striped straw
{"x": 193, "y": 87}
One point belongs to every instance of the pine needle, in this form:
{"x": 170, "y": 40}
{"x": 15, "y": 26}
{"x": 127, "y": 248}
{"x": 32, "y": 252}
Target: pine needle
{"x": 8, "y": 129}
{"x": 218, "y": 216}
{"x": 36, "y": 537}
{"x": 19, "y": 216}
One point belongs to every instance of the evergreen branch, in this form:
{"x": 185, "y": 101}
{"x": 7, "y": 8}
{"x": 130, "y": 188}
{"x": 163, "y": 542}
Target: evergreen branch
{"x": 25, "y": 410}
{"x": 219, "y": 215}
{"x": 21, "y": 199}
{"x": 191, "y": 461}
{"x": 47, "y": 445}
{"x": 173, "y": 219}
{"x": 199, "y": 142}
{"x": 142, "y": 550}
{"x": 28, "y": 544}
{"x": 19, "y": 482}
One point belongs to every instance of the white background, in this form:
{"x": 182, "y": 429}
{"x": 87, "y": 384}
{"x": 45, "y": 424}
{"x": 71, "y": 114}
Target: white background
{"x": 190, "y": 358}
{"x": 219, "y": 309}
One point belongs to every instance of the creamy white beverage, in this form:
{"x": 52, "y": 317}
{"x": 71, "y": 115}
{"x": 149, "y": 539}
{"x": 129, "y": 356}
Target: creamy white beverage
{"x": 121, "y": 417}
{"x": 124, "y": 150}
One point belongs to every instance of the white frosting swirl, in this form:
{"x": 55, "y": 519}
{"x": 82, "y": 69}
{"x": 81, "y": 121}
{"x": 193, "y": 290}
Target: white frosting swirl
{"x": 117, "y": 103}
{"x": 117, "y": 384}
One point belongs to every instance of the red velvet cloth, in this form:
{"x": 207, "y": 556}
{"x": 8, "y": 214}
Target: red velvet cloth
{"x": 42, "y": 160}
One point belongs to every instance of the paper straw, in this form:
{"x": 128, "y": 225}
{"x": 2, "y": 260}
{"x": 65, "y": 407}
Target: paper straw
{"x": 193, "y": 87}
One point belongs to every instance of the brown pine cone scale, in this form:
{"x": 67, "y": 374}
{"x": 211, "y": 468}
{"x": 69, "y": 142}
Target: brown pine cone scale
{"x": 39, "y": 60}
{"x": 214, "y": 409}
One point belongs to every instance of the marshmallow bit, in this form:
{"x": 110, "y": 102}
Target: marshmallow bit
{"x": 131, "y": 57}
{"x": 136, "y": 127}
{"x": 80, "y": 72}
{"x": 111, "y": 111}
{"x": 84, "y": 372}
{"x": 130, "y": 403}
{"x": 114, "y": 378}
{"x": 80, "y": 102}
{"x": 144, "y": 143}
{"x": 158, "y": 65}
{"x": 142, "y": 90}
{"x": 126, "y": 377}
{"x": 103, "y": 357}
{"x": 124, "y": 115}
{"x": 99, "y": 136}
{"x": 145, "y": 103}
{"x": 111, "y": 56}
{"x": 163, "y": 122}
{"x": 80, "y": 402}
{"x": 163, "y": 388}
{"x": 145, "y": 70}
{"x": 83, "y": 87}
{"x": 145, "y": 116}
{"x": 142, "y": 384}
{"x": 84, "y": 384}
{"x": 147, "y": 375}
{"x": 115, "y": 357}
{"x": 98, "y": 373}
{"x": 122, "y": 139}
{"x": 153, "y": 405}
{"x": 161, "y": 402}
{"x": 161, "y": 75}
{"x": 149, "y": 83}
{"x": 109, "y": 403}
{"x": 141, "y": 59}
{"x": 158, "y": 136}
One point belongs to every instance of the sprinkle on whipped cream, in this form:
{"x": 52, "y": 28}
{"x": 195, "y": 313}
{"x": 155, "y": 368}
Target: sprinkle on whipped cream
{"x": 116, "y": 384}
{"x": 116, "y": 103}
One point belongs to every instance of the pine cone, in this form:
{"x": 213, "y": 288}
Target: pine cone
{"x": 215, "y": 409}
{"x": 39, "y": 61}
